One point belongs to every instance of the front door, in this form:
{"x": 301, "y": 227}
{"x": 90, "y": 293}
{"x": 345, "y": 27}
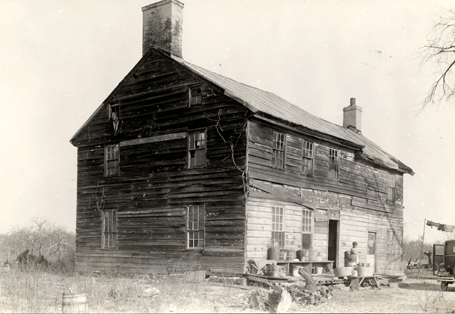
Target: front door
{"x": 371, "y": 250}
{"x": 333, "y": 241}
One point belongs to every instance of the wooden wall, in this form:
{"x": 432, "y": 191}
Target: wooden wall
{"x": 155, "y": 185}
{"x": 360, "y": 194}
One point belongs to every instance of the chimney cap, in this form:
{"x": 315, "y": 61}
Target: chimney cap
{"x": 163, "y": 2}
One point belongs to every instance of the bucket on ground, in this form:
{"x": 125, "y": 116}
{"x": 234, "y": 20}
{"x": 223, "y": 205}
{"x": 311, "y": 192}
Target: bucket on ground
{"x": 318, "y": 270}
{"x": 74, "y": 303}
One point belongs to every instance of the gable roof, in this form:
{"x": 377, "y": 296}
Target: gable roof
{"x": 263, "y": 103}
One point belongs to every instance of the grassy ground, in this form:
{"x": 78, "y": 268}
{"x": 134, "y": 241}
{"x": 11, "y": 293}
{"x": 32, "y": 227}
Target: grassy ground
{"x": 40, "y": 292}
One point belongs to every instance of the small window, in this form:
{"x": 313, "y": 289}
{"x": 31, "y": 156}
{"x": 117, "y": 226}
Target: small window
{"x": 279, "y": 144}
{"x": 111, "y": 160}
{"x": 308, "y": 157}
{"x": 333, "y": 164}
{"x": 195, "y": 217}
{"x": 278, "y": 234}
{"x": 195, "y": 95}
{"x": 197, "y": 150}
{"x": 114, "y": 117}
{"x": 391, "y": 189}
{"x": 307, "y": 229}
{"x": 109, "y": 229}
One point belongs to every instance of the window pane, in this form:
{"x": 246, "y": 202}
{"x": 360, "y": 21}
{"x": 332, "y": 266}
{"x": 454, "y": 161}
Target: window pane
{"x": 195, "y": 226}
{"x": 278, "y": 239}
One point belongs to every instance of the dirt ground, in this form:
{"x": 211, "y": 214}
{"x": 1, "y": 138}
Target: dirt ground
{"x": 42, "y": 293}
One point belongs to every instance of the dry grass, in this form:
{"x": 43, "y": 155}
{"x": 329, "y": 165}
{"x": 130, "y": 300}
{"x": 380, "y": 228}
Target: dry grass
{"x": 34, "y": 291}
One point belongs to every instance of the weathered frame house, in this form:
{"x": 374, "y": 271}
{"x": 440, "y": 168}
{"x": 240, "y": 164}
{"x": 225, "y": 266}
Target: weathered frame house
{"x": 182, "y": 166}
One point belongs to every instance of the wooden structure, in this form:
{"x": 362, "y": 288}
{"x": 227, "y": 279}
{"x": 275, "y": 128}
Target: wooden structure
{"x": 182, "y": 167}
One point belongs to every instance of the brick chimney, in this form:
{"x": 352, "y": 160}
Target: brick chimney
{"x": 352, "y": 117}
{"x": 162, "y": 27}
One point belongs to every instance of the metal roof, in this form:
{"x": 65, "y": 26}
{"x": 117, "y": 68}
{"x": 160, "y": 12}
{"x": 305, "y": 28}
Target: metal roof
{"x": 263, "y": 102}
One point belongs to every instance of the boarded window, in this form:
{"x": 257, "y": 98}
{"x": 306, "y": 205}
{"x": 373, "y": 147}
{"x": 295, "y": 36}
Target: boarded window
{"x": 391, "y": 189}
{"x": 195, "y": 217}
{"x": 333, "y": 164}
{"x": 393, "y": 245}
{"x": 279, "y": 144}
{"x": 307, "y": 229}
{"x": 197, "y": 149}
{"x": 109, "y": 229}
{"x": 111, "y": 160}
{"x": 278, "y": 234}
{"x": 195, "y": 95}
{"x": 308, "y": 157}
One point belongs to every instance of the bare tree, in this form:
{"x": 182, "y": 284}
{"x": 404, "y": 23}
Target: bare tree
{"x": 440, "y": 49}
{"x": 41, "y": 238}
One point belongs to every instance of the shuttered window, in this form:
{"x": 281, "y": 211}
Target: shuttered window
{"x": 195, "y": 95}
{"x": 278, "y": 233}
{"x": 197, "y": 149}
{"x": 391, "y": 189}
{"x": 111, "y": 160}
{"x": 109, "y": 229}
{"x": 195, "y": 218}
{"x": 308, "y": 157}
{"x": 333, "y": 164}
{"x": 279, "y": 150}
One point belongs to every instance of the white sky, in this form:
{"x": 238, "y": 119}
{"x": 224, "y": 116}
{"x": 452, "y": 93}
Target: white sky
{"x": 60, "y": 59}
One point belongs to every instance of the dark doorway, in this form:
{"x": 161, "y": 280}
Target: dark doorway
{"x": 333, "y": 241}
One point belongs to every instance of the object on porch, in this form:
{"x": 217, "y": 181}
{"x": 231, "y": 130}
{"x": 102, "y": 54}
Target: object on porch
{"x": 343, "y": 271}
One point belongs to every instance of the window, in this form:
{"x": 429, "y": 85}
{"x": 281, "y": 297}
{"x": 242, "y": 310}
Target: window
{"x": 111, "y": 160}
{"x": 307, "y": 229}
{"x": 308, "y": 154}
{"x": 109, "y": 231}
{"x": 195, "y": 95}
{"x": 197, "y": 150}
{"x": 278, "y": 235}
{"x": 391, "y": 189}
{"x": 114, "y": 116}
{"x": 279, "y": 143}
{"x": 195, "y": 215}
{"x": 333, "y": 164}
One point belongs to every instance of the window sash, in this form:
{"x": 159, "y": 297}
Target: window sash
{"x": 391, "y": 194}
{"x": 391, "y": 188}
{"x": 278, "y": 239}
{"x": 278, "y": 232}
{"x": 308, "y": 157}
{"x": 307, "y": 221}
{"x": 110, "y": 232}
{"x": 195, "y": 95}
{"x": 112, "y": 160}
{"x": 197, "y": 149}
{"x": 279, "y": 152}
{"x": 195, "y": 218}
{"x": 333, "y": 164}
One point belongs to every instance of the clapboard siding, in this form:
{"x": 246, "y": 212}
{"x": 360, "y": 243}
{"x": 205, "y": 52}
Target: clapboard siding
{"x": 154, "y": 185}
{"x": 360, "y": 193}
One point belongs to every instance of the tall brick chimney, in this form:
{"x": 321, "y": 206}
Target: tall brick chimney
{"x": 352, "y": 117}
{"x": 162, "y": 27}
